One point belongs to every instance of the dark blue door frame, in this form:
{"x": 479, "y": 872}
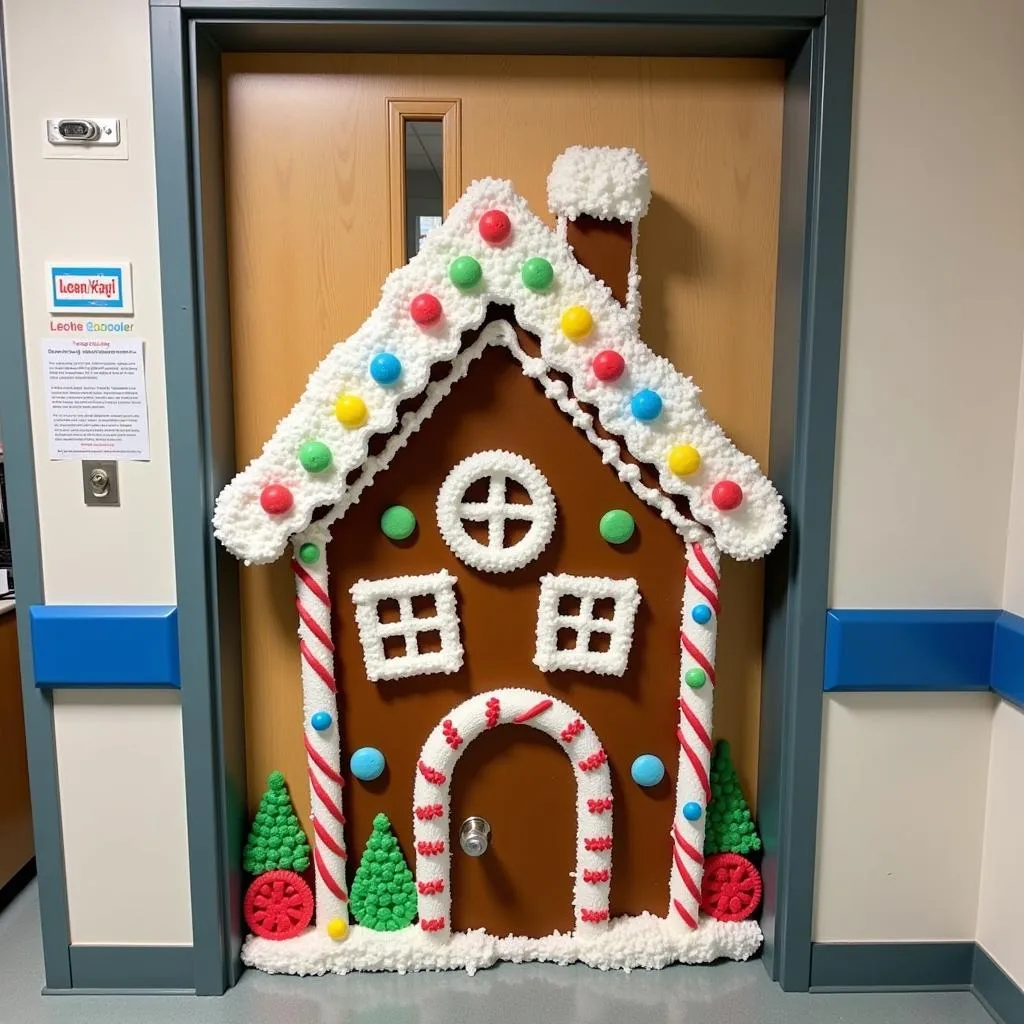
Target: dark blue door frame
{"x": 816, "y": 39}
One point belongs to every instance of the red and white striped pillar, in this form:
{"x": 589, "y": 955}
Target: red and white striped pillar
{"x": 696, "y": 698}
{"x": 320, "y": 710}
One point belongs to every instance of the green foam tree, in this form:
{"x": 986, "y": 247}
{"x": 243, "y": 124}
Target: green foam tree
{"x": 276, "y": 840}
{"x": 730, "y": 828}
{"x": 383, "y": 894}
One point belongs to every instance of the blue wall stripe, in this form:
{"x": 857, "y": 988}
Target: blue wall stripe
{"x": 909, "y": 650}
{"x": 105, "y": 645}
{"x": 1008, "y": 658}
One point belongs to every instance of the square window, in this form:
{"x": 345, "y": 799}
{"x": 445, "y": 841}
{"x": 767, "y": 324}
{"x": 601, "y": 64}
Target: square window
{"x": 408, "y": 625}
{"x": 585, "y": 624}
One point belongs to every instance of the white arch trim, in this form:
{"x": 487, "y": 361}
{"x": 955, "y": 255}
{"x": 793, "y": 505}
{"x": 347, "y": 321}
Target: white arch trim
{"x": 432, "y": 829}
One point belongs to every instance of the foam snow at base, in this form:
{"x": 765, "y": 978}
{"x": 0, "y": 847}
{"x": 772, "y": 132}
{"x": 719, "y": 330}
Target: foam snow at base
{"x": 629, "y": 942}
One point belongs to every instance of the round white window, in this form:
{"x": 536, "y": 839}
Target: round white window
{"x": 496, "y": 511}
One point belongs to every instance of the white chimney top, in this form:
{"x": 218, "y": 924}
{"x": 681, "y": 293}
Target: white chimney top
{"x": 600, "y": 181}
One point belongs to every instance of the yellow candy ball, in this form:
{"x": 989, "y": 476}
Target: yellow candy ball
{"x": 577, "y": 323}
{"x": 684, "y": 459}
{"x": 350, "y": 410}
{"x": 337, "y": 929}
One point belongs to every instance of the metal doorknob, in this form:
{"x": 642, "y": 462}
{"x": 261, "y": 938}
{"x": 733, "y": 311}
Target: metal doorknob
{"x": 474, "y": 836}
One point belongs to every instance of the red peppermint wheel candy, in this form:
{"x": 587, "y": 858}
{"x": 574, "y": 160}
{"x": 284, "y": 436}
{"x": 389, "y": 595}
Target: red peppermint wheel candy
{"x": 732, "y": 888}
{"x": 278, "y": 905}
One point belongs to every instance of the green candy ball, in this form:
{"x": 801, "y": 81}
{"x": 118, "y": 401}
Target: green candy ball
{"x": 465, "y": 272}
{"x": 617, "y": 526}
{"x": 398, "y": 522}
{"x": 695, "y": 678}
{"x": 537, "y": 274}
{"x": 309, "y": 553}
{"x": 315, "y": 456}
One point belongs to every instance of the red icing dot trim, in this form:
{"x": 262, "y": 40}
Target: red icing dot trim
{"x": 493, "y": 712}
{"x": 432, "y": 775}
{"x": 732, "y": 888}
{"x": 451, "y": 734}
{"x": 588, "y": 764}
{"x": 432, "y": 924}
{"x": 596, "y": 876}
{"x": 430, "y": 888}
{"x": 533, "y": 712}
{"x": 278, "y": 905}
{"x": 430, "y": 848}
{"x": 597, "y": 844}
{"x": 593, "y": 916}
{"x": 572, "y": 730}
{"x": 600, "y": 805}
{"x": 429, "y": 812}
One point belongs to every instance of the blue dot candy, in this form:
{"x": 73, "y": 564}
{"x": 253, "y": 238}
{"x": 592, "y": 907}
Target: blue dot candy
{"x": 691, "y": 811}
{"x": 367, "y": 764}
{"x": 647, "y": 770}
{"x": 320, "y": 720}
{"x": 385, "y": 369}
{"x": 646, "y": 405}
{"x": 701, "y": 614}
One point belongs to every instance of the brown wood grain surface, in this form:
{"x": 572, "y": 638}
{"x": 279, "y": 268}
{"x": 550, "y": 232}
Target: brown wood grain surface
{"x": 309, "y": 246}
{"x": 15, "y": 808}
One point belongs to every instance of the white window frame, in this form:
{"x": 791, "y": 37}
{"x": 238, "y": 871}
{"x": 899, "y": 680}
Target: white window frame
{"x": 498, "y": 467}
{"x": 367, "y": 594}
{"x": 587, "y": 590}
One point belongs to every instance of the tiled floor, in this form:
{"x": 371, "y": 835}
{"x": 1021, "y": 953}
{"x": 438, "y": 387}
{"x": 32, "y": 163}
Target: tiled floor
{"x": 535, "y": 993}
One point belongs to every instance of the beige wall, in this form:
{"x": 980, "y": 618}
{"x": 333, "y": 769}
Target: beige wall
{"x": 929, "y": 402}
{"x": 1013, "y": 582}
{"x": 119, "y": 758}
{"x": 934, "y": 306}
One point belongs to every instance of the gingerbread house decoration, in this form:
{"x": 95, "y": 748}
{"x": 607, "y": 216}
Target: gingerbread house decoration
{"x": 501, "y": 382}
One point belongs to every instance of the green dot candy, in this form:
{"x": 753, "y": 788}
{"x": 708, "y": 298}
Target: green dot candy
{"x": 309, "y": 553}
{"x": 537, "y": 274}
{"x": 465, "y": 273}
{"x": 398, "y": 522}
{"x": 617, "y": 526}
{"x": 695, "y": 678}
{"x": 315, "y": 456}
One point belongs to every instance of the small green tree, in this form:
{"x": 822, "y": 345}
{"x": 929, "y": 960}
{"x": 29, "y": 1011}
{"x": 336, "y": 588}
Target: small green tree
{"x": 276, "y": 840}
{"x": 383, "y": 895}
{"x": 730, "y": 828}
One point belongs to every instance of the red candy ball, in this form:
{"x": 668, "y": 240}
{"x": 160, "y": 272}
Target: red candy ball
{"x": 727, "y": 495}
{"x": 608, "y": 365}
{"x": 276, "y": 499}
{"x": 495, "y": 227}
{"x": 425, "y": 309}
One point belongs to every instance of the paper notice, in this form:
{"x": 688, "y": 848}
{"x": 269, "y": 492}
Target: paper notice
{"x": 96, "y": 399}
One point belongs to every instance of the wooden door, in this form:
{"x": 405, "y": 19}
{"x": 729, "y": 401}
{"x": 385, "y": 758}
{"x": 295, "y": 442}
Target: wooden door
{"x": 311, "y": 239}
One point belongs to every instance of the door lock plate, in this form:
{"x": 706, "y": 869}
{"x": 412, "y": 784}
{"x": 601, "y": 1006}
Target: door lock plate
{"x": 100, "y": 483}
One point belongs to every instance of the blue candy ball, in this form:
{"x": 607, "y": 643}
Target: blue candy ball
{"x": 691, "y": 811}
{"x": 647, "y": 770}
{"x": 701, "y": 614}
{"x": 320, "y": 720}
{"x": 385, "y": 369}
{"x": 646, "y": 405}
{"x": 367, "y": 763}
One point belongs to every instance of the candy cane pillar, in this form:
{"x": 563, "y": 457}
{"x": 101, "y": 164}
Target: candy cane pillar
{"x": 320, "y": 709}
{"x": 696, "y": 697}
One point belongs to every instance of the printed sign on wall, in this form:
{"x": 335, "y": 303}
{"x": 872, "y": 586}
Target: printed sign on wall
{"x": 89, "y": 288}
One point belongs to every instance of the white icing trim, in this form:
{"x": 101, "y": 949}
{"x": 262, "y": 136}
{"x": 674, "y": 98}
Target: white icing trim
{"x": 629, "y": 943}
{"x": 588, "y": 590}
{"x": 453, "y": 510}
{"x": 366, "y": 594}
{"x": 613, "y": 184}
{"x": 431, "y": 795}
{"x": 254, "y": 536}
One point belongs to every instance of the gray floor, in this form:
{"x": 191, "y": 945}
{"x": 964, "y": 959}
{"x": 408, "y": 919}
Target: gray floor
{"x": 535, "y": 993}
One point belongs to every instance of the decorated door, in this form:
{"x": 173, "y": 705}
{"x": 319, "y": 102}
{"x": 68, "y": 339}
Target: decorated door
{"x": 317, "y": 218}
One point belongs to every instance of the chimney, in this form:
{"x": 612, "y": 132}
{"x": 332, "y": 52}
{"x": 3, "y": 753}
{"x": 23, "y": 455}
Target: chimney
{"x": 599, "y": 195}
